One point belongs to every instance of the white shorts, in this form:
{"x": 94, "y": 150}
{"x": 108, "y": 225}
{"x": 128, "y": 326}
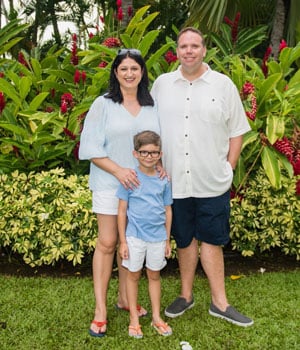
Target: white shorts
{"x": 139, "y": 250}
{"x": 105, "y": 202}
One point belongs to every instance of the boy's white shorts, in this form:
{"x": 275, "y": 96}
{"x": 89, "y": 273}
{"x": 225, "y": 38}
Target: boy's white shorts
{"x": 139, "y": 251}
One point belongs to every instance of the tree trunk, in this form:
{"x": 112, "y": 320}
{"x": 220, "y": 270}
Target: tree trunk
{"x": 278, "y": 28}
{"x": 126, "y": 4}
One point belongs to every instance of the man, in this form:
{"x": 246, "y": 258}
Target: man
{"x": 202, "y": 125}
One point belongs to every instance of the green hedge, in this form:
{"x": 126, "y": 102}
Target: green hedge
{"x": 46, "y": 217}
{"x": 263, "y": 218}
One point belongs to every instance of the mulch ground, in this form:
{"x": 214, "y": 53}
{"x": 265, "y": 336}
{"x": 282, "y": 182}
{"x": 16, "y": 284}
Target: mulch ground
{"x": 235, "y": 264}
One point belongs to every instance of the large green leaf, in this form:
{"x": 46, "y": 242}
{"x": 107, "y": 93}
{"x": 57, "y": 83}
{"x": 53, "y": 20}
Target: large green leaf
{"x": 275, "y": 128}
{"x": 14, "y": 128}
{"x": 10, "y": 91}
{"x": 249, "y": 138}
{"x": 267, "y": 87}
{"x": 136, "y": 19}
{"x": 37, "y": 101}
{"x": 271, "y": 166}
{"x": 24, "y": 87}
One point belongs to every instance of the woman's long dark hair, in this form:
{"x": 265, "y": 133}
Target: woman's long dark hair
{"x": 114, "y": 92}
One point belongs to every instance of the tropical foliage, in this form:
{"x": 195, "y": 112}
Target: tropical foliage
{"x": 43, "y": 102}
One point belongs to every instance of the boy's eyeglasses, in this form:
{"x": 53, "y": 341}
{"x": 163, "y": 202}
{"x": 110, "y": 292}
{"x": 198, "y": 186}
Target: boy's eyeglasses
{"x": 153, "y": 154}
{"x": 134, "y": 52}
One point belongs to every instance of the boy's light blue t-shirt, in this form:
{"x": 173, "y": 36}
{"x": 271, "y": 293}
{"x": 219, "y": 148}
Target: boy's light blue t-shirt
{"x": 146, "y": 207}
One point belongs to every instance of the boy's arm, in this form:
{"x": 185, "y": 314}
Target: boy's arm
{"x": 168, "y": 229}
{"x": 122, "y": 221}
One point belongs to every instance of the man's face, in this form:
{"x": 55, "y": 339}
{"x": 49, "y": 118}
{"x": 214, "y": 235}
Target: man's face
{"x": 190, "y": 50}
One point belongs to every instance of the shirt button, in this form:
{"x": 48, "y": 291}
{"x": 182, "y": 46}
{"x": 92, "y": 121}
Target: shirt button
{"x": 186, "y": 117}
{"x": 187, "y": 172}
{"x": 185, "y": 135}
{"x": 188, "y": 98}
{"x": 186, "y": 154}
{"x": 191, "y": 83}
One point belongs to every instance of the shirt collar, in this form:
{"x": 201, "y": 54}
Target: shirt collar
{"x": 205, "y": 77}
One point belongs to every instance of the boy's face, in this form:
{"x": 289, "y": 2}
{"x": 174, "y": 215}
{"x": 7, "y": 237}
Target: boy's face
{"x": 148, "y": 155}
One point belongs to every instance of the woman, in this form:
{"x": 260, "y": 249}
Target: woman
{"x": 107, "y": 141}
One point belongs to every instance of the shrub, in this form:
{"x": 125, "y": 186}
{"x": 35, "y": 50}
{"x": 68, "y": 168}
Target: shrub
{"x": 47, "y": 216}
{"x": 263, "y": 218}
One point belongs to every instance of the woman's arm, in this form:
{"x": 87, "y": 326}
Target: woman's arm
{"x": 127, "y": 177}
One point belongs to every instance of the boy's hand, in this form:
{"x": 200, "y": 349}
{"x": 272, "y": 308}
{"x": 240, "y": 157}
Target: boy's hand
{"x": 123, "y": 251}
{"x": 168, "y": 249}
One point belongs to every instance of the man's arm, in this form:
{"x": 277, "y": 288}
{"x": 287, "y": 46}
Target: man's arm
{"x": 235, "y": 147}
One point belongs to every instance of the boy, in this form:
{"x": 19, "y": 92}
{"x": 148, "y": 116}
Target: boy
{"x": 144, "y": 224}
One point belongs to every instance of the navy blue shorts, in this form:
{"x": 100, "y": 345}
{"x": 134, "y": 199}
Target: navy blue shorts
{"x": 205, "y": 219}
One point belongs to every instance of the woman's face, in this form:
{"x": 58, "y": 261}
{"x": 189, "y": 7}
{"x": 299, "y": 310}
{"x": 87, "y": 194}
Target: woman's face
{"x": 129, "y": 74}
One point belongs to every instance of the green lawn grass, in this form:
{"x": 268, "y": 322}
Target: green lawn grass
{"x": 43, "y": 313}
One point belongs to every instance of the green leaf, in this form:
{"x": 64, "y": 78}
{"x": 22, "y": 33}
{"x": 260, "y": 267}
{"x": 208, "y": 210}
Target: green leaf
{"x": 155, "y": 57}
{"x": 14, "y": 128}
{"x": 35, "y": 64}
{"x": 147, "y": 41}
{"x": 271, "y": 166}
{"x": 9, "y": 45}
{"x": 136, "y": 19}
{"x": 275, "y": 128}
{"x": 249, "y": 138}
{"x": 286, "y": 164}
{"x": 24, "y": 87}
{"x": 267, "y": 87}
{"x": 10, "y": 91}
{"x": 126, "y": 40}
{"x": 37, "y": 101}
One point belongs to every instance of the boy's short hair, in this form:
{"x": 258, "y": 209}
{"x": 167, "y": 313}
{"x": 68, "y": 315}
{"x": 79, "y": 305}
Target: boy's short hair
{"x": 146, "y": 137}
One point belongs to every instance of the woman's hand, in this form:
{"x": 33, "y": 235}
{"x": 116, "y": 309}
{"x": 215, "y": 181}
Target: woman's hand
{"x": 162, "y": 172}
{"x": 128, "y": 178}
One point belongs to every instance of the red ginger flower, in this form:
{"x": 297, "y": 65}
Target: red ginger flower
{"x": 64, "y": 107}
{"x": 69, "y": 134}
{"x": 264, "y": 66}
{"x": 76, "y": 150}
{"x": 67, "y": 97}
{"x": 119, "y": 3}
{"x": 298, "y": 188}
{"x": 120, "y": 14}
{"x": 91, "y": 35}
{"x": 234, "y": 26}
{"x": 22, "y": 60}
{"x": 74, "y": 57}
{"x": 112, "y": 42}
{"x": 77, "y": 76}
{"x": 2, "y": 102}
{"x": 285, "y": 147}
{"x": 248, "y": 89}
{"x": 1, "y": 74}
{"x": 83, "y": 76}
{"x": 66, "y": 102}
{"x": 130, "y": 11}
{"x": 170, "y": 57}
{"x": 282, "y": 45}
{"x": 102, "y": 64}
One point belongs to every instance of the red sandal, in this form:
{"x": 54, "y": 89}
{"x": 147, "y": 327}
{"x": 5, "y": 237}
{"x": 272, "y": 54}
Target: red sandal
{"x": 99, "y": 324}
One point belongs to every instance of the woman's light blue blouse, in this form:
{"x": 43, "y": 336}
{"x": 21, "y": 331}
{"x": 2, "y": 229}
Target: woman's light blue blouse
{"x": 108, "y": 131}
